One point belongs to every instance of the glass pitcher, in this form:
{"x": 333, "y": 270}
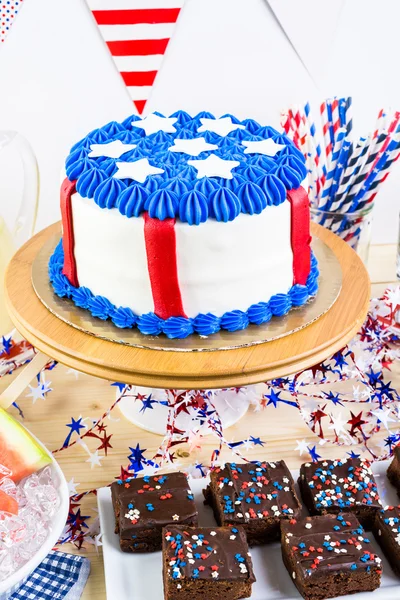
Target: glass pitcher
{"x": 24, "y": 225}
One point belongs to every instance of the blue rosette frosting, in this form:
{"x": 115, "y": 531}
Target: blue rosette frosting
{"x": 131, "y": 202}
{"x": 273, "y": 188}
{"x": 81, "y": 296}
{"x": 299, "y": 294}
{"x": 149, "y": 324}
{"x": 234, "y": 320}
{"x": 193, "y": 208}
{"x": 61, "y": 285}
{"x": 108, "y": 192}
{"x": 162, "y": 204}
{"x": 206, "y": 324}
{"x": 88, "y": 182}
{"x": 252, "y": 198}
{"x": 180, "y": 327}
{"x": 100, "y": 307}
{"x": 259, "y": 313}
{"x": 290, "y": 178}
{"x": 288, "y": 165}
{"x": 224, "y": 205}
{"x": 177, "y": 327}
{"x": 280, "y": 304}
{"x": 123, "y": 318}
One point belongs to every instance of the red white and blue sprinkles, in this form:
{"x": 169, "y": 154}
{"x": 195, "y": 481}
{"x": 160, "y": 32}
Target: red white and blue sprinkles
{"x": 340, "y": 483}
{"x": 206, "y": 554}
{"x": 319, "y": 542}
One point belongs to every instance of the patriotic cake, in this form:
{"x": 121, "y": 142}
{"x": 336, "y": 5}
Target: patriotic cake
{"x": 179, "y": 225}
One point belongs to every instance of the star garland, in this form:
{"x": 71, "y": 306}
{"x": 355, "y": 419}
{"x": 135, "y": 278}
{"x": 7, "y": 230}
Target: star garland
{"x": 345, "y": 400}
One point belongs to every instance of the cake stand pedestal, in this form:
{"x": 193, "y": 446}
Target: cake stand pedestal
{"x": 153, "y": 368}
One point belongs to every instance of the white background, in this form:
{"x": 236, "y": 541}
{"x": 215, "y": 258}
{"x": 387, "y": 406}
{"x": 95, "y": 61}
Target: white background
{"x": 57, "y": 80}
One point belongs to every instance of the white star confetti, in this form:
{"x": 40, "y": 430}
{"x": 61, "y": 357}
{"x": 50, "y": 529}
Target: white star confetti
{"x": 72, "y": 487}
{"x": 301, "y": 446}
{"x": 213, "y": 166}
{"x": 94, "y": 460}
{"x": 220, "y": 126}
{"x": 138, "y": 170}
{"x": 267, "y": 147}
{"x": 113, "y": 149}
{"x": 175, "y": 517}
{"x": 383, "y": 416}
{"x": 194, "y": 147}
{"x": 154, "y": 123}
{"x": 39, "y": 392}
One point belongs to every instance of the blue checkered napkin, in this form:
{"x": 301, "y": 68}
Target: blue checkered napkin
{"x": 59, "y": 576}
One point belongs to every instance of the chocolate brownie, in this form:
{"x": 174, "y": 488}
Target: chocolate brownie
{"x": 387, "y": 532}
{"x": 255, "y": 495}
{"x": 206, "y": 563}
{"x": 333, "y": 486}
{"x": 329, "y": 556}
{"x": 143, "y": 506}
{"x": 393, "y": 471}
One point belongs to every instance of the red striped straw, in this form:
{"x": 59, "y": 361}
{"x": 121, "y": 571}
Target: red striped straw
{"x": 392, "y": 127}
{"x": 325, "y": 129}
{"x": 380, "y": 122}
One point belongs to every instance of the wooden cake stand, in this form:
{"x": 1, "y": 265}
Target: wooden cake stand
{"x": 189, "y": 370}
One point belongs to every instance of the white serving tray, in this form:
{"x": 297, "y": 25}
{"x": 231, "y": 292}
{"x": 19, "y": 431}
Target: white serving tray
{"x": 12, "y": 583}
{"x": 138, "y": 576}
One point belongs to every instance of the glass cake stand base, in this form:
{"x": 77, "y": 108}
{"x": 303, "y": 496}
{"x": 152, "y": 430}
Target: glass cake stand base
{"x": 230, "y": 406}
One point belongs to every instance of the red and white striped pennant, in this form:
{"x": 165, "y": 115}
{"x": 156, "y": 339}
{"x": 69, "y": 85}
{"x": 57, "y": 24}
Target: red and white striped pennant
{"x": 137, "y": 33}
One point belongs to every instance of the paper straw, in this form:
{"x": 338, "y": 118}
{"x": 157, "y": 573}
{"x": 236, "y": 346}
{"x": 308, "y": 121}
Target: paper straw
{"x": 285, "y": 122}
{"x": 335, "y": 117}
{"x": 380, "y": 123}
{"x": 325, "y": 129}
{"x": 356, "y": 161}
{"x": 321, "y": 168}
{"x": 349, "y": 115}
{"x": 379, "y": 174}
{"x": 365, "y": 168}
{"x": 391, "y": 129}
{"x": 331, "y": 170}
{"x": 384, "y": 163}
{"x": 341, "y": 165}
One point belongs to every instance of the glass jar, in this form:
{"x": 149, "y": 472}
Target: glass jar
{"x": 355, "y": 228}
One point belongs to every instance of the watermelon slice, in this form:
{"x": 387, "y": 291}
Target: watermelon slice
{"x": 19, "y": 451}
{"x": 8, "y": 503}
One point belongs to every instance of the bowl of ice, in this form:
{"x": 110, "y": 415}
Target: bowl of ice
{"x": 34, "y": 504}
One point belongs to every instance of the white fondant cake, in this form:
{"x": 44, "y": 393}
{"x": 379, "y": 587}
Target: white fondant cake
{"x": 179, "y": 225}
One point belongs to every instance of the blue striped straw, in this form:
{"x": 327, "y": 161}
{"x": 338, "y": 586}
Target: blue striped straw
{"x": 325, "y": 196}
{"x": 341, "y": 166}
{"x": 384, "y": 162}
{"x": 345, "y": 114}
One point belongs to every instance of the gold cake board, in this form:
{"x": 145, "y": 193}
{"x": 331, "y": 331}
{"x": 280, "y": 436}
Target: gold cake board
{"x": 151, "y": 367}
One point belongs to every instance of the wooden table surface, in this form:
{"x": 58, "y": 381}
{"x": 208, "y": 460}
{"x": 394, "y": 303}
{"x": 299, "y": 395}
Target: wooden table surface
{"x": 74, "y": 395}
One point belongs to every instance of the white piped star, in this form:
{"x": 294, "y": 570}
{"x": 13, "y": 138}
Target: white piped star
{"x": 221, "y": 126}
{"x": 194, "y": 147}
{"x": 113, "y": 149}
{"x": 214, "y": 166}
{"x": 154, "y": 123}
{"x": 138, "y": 170}
{"x": 267, "y": 147}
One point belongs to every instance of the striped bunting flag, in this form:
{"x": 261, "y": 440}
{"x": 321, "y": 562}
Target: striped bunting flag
{"x": 137, "y": 33}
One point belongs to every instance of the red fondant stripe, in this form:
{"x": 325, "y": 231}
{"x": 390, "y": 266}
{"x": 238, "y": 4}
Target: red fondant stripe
{"x": 69, "y": 269}
{"x": 300, "y": 234}
{"x": 137, "y": 47}
{"x": 135, "y": 16}
{"x": 138, "y": 77}
{"x": 160, "y": 243}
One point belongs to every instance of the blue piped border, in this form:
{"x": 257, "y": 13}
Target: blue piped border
{"x": 180, "y": 327}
